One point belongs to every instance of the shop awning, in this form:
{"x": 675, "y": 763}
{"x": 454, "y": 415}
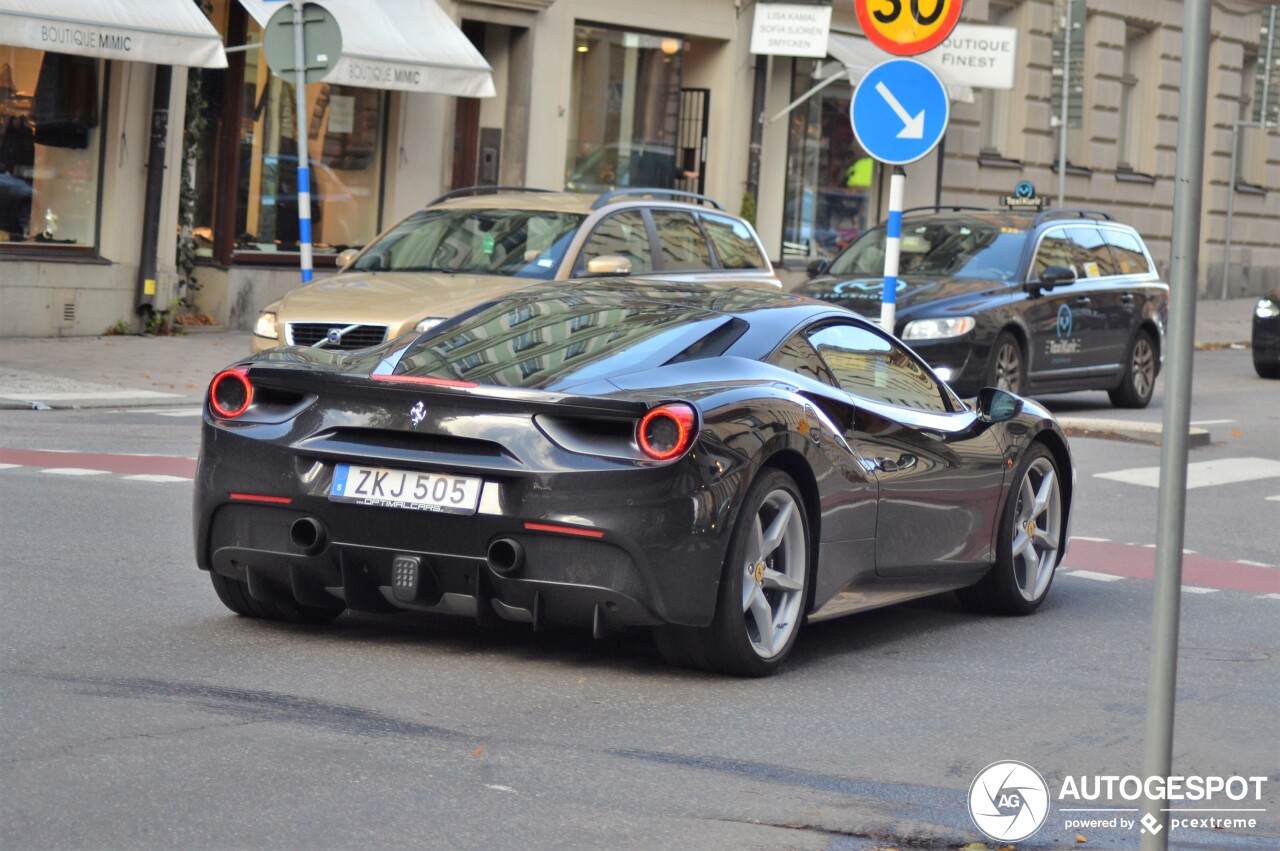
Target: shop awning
{"x": 859, "y": 55}
{"x": 410, "y": 45}
{"x": 164, "y": 32}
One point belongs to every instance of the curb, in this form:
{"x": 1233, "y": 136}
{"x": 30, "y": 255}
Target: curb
{"x": 1127, "y": 430}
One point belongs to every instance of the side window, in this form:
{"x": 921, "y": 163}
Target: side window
{"x": 733, "y": 242}
{"x": 799, "y": 357}
{"x": 621, "y": 235}
{"x": 1130, "y": 258}
{"x": 872, "y": 366}
{"x": 1094, "y": 253}
{"x": 1056, "y": 249}
{"x": 684, "y": 248}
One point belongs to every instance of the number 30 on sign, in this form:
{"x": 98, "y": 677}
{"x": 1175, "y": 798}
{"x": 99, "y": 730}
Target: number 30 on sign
{"x": 907, "y": 27}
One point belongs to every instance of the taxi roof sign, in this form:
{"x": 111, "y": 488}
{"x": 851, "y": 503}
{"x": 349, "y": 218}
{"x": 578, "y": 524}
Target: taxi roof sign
{"x": 907, "y": 27}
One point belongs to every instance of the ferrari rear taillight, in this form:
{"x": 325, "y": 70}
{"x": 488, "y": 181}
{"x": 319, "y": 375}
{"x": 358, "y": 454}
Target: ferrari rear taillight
{"x": 230, "y": 394}
{"x": 666, "y": 432}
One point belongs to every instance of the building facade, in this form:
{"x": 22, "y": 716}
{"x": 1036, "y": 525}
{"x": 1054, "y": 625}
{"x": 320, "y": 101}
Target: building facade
{"x": 589, "y": 94}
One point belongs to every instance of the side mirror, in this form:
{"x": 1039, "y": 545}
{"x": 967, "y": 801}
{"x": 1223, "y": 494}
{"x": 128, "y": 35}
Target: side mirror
{"x": 609, "y": 264}
{"x": 345, "y": 257}
{"x": 817, "y": 267}
{"x": 996, "y": 406}
{"x": 1056, "y": 276}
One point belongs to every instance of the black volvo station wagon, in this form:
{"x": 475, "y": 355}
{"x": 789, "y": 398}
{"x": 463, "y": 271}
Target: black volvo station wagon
{"x": 1046, "y": 302}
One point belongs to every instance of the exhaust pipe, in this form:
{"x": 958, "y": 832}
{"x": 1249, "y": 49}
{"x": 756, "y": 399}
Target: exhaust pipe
{"x": 505, "y": 556}
{"x": 308, "y": 535}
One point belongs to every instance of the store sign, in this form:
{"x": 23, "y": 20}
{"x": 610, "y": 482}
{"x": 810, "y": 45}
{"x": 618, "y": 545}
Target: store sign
{"x": 791, "y": 29}
{"x": 1024, "y": 197}
{"x": 981, "y": 57}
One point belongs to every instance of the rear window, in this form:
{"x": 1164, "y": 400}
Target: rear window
{"x": 565, "y": 340}
{"x": 1127, "y": 249}
{"x": 733, "y": 242}
{"x": 684, "y": 248}
{"x": 515, "y": 243}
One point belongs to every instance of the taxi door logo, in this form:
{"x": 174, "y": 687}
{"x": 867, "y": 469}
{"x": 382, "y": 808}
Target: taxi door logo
{"x": 1065, "y": 321}
{"x": 1008, "y": 801}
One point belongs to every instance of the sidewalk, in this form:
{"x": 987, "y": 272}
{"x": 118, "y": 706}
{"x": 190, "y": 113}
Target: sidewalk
{"x": 127, "y": 371}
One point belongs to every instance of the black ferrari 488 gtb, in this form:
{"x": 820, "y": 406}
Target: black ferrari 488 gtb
{"x": 719, "y": 463}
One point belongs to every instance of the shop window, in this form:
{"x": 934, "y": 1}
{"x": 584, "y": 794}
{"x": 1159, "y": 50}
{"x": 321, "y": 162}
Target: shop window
{"x": 830, "y": 178}
{"x": 1131, "y": 150}
{"x": 625, "y": 106}
{"x": 997, "y": 103}
{"x": 50, "y": 141}
{"x": 344, "y": 145}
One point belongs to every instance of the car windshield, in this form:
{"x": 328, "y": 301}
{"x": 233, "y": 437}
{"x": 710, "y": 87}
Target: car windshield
{"x": 939, "y": 249}
{"x": 512, "y": 243}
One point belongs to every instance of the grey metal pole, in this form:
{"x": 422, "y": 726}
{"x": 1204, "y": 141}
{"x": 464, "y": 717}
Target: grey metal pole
{"x": 300, "y": 128}
{"x": 1066, "y": 98}
{"x": 1171, "y": 515}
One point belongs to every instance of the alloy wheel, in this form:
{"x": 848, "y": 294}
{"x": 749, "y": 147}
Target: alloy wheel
{"x": 773, "y": 574}
{"x": 1037, "y": 529}
{"x": 1008, "y": 372}
{"x": 1143, "y": 367}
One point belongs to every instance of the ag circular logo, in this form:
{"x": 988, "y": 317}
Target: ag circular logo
{"x": 1064, "y": 321}
{"x": 1008, "y": 801}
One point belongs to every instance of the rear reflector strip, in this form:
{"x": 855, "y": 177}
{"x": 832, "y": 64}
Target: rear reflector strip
{"x": 564, "y": 530}
{"x": 424, "y": 379}
{"x": 257, "y": 497}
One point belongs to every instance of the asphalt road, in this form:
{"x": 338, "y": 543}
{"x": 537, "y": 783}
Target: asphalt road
{"x": 138, "y": 713}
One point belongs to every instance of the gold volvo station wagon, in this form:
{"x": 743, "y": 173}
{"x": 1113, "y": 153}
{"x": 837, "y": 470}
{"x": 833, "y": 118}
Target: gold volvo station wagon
{"x": 476, "y": 244}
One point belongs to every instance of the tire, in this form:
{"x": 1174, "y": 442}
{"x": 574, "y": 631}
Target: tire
{"x": 234, "y": 594}
{"x": 1007, "y": 368}
{"x": 1140, "y": 369}
{"x": 1266, "y": 370}
{"x": 1025, "y": 565}
{"x": 764, "y": 588}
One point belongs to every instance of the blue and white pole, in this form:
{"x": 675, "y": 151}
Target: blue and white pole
{"x": 300, "y": 129}
{"x": 892, "y": 249}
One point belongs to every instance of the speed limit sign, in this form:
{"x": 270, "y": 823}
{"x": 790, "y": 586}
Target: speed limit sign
{"x": 907, "y": 27}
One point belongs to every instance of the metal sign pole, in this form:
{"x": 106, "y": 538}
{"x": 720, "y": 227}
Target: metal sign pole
{"x": 300, "y": 130}
{"x": 892, "y": 249}
{"x": 1171, "y": 517}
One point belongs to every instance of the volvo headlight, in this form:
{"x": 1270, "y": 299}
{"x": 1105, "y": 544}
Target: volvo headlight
{"x": 428, "y": 323}
{"x": 938, "y": 329}
{"x": 1267, "y": 309}
{"x": 266, "y": 326}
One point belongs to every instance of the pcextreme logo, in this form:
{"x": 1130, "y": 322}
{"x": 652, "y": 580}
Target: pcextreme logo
{"x": 1009, "y": 801}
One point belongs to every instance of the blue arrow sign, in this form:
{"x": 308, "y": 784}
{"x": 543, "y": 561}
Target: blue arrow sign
{"x": 900, "y": 110}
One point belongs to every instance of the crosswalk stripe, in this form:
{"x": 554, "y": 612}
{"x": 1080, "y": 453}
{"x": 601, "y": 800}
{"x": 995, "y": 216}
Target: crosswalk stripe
{"x": 1089, "y": 574}
{"x": 73, "y": 471}
{"x": 154, "y": 477}
{"x": 9, "y": 466}
{"x": 1196, "y": 589}
{"x": 1202, "y": 474}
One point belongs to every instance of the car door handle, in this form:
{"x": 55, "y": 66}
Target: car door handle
{"x": 904, "y": 462}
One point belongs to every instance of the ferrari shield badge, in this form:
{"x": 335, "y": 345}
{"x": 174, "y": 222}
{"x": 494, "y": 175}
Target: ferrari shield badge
{"x": 417, "y": 414}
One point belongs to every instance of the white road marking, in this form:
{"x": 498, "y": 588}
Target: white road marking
{"x": 1196, "y": 589}
{"x": 9, "y": 466}
{"x": 1275, "y": 498}
{"x": 74, "y": 471}
{"x": 1203, "y": 474}
{"x": 1211, "y": 422}
{"x": 150, "y": 477}
{"x": 1271, "y": 596}
{"x": 166, "y": 412}
{"x": 1089, "y": 574}
{"x": 1083, "y": 538}
{"x": 498, "y": 788}
{"x": 1253, "y": 563}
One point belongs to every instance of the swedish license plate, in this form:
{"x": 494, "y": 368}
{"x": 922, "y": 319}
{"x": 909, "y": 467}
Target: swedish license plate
{"x": 405, "y": 489}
